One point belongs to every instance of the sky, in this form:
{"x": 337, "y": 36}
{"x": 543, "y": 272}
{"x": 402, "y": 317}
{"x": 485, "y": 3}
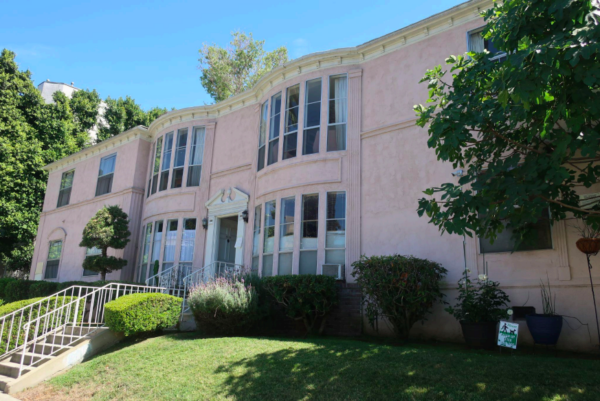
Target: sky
{"x": 149, "y": 49}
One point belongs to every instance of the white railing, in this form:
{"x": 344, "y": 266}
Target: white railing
{"x": 171, "y": 279}
{"x": 65, "y": 321}
{"x": 208, "y": 273}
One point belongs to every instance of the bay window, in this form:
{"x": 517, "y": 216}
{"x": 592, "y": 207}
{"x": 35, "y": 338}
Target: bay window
{"x": 274, "y": 129}
{"x": 256, "y": 240}
{"x": 156, "y": 243}
{"x": 309, "y": 238}
{"x": 264, "y": 117}
{"x": 170, "y": 243}
{"x": 178, "y": 163}
{"x": 105, "y": 175}
{"x": 269, "y": 241}
{"x": 290, "y": 135}
{"x": 145, "y": 253}
{"x": 188, "y": 240}
{"x": 54, "y": 252}
{"x": 286, "y": 235}
{"x": 335, "y": 239}
{"x": 66, "y": 183}
{"x": 338, "y": 110}
{"x": 196, "y": 157}
{"x": 312, "y": 117}
{"x": 156, "y": 168}
{"x": 166, "y": 162}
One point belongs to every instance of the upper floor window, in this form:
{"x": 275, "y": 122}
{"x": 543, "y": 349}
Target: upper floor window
{"x": 54, "y": 252}
{"x": 105, "y": 175}
{"x": 274, "y": 129}
{"x": 66, "y": 183}
{"x": 338, "y": 111}
{"x": 196, "y": 156}
{"x": 290, "y": 135}
{"x": 312, "y": 117}
{"x": 477, "y": 43}
{"x": 166, "y": 162}
{"x": 264, "y": 116}
{"x": 156, "y": 168}
{"x": 178, "y": 163}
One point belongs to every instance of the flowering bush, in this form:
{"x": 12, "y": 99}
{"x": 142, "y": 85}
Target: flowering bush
{"x": 483, "y": 302}
{"x": 400, "y": 288}
{"x": 224, "y": 306}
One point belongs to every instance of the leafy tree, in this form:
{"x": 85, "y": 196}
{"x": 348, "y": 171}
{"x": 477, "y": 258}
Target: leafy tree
{"x": 228, "y": 72}
{"x": 84, "y": 106}
{"x": 107, "y": 229}
{"x": 123, "y": 114}
{"x": 525, "y": 130}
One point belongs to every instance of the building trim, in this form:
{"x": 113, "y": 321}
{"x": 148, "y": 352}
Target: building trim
{"x": 231, "y": 170}
{"x": 386, "y": 129}
{"x": 94, "y": 200}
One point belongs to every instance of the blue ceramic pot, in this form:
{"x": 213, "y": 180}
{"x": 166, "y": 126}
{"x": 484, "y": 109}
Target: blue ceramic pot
{"x": 545, "y": 329}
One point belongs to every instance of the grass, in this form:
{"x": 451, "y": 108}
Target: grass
{"x": 185, "y": 367}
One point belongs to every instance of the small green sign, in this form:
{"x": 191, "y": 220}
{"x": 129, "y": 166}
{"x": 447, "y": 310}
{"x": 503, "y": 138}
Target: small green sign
{"x": 507, "y": 336}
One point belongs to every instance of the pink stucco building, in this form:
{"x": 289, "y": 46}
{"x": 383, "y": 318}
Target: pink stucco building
{"x": 317, "y": 164}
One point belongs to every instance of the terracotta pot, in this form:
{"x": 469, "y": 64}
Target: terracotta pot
{"x": 588, "y": 245}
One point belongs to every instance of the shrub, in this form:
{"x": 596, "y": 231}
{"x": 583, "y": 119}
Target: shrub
{"x": 139, "y": 313}
{"x": 3, "y": 282}
{"x": 308, "y": 298}
{"x": 17, "y": 290}
{"x": 16, "y": 330}
{"x": 484, "y": 302}
{"x": 42, "y": 289}
{"x": 224, "y": 306}
{"x": 400, "y": 288}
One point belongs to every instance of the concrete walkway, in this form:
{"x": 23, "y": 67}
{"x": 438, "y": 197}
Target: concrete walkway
{"x": 6, "y": 397}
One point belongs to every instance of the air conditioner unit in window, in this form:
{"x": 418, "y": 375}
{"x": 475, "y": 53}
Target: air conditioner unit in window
{"x": 336, "y": 271}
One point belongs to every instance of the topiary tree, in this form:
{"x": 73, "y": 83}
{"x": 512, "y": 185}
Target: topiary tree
{"x": 107, "y": 229}
{"x": 400, "y": 288}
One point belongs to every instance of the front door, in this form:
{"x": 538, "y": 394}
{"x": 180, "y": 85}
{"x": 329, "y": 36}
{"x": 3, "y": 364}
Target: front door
{"x": 227, "y": 237}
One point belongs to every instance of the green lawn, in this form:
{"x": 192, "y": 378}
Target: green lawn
{"x": 185, "y": 367}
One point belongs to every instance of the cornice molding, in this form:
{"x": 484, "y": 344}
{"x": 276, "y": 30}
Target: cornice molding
{"x": 139, "y": 132}
{"x": 408, "y": 123}
{"x": 434, "y": 25}
{"x": 95, "y": 199}
{"x": 231, "y": 170}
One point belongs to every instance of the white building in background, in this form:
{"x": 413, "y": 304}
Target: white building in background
{"x": 48, "y": 88}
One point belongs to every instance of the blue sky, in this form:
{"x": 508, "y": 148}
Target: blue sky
{"x": 149, "y": 49}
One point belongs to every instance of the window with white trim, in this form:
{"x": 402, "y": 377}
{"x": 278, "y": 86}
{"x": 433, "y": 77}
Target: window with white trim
{"x": 93, "y": 251}
{"x": 66, "y": 183}
{"x": 53, "y": 261}
{"x": 156, "y": 169}
{"x": 286, "y": 235}
{"x": 156, "y": 243}
{"x": 312, "y": 117}
{"x": 309, "y": 238}
{"x": 476, "y": 43}
{"x": 166, "y": 162}
{"x": 196, "y": 157}
{"x": 338, "y": 112}
{"x": 335, "y": 238}
{"x": 105, "y": 175}
{"x": 273, "y": 155}
{"x": 179, "y": 162}
{"x": 256, "y": 240}
{"x": 188, "y": 240}
{"x": 147, "y": 240}
{"x": 290, "y": 134}
{"x": 262, "y": 137}
{"x": 170, "y": 243}
{"x": 269, "y": 241}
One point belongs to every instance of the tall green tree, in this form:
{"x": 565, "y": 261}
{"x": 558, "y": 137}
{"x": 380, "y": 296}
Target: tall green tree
{"x": 84, "y": 106}
{"x": 230, "y": 71}
{"x": 524, "y": 130}
{"x": 107, "y": 229}
{"x": 123, "y": 114}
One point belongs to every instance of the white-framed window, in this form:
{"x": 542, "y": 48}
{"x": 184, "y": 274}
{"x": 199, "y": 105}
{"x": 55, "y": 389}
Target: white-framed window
{"x": 93, "y": 251}
{"x": 166, "y": 161}
{"x": 105, "y": 174}
{"x": 179, "y": 162}
{"x": 292, "y": 110}
{"x": 256, "y": 239}
{"x": 150, "y": 172}
{"x": 196, "y": 157}
{"x": 262, "y": 136}
{"x": 309, "y": 236}
{"x": 170, "y": 244}
{"x": 338, "y": 112}
{"x": 53, "y": 261}
{"x": 312, "y": 117}
{"x": 273, "y": 155}
{"x": 156, "y": 169}
{"x": 335, "y": 226}
{"x": 476, "y": 43}
{"x": 540, "y": 239}
{"x": 269, "y": 241}
{"x": 188, "y": 240}
{"x": 66, "y": 183}
{"x": 286, "y": 235}
{"x": 147, "y": 241}
{"x": 156, "y": 244}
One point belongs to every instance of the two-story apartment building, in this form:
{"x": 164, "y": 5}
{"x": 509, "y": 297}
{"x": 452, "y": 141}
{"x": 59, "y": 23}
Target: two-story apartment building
{"x": 317, "y": 164}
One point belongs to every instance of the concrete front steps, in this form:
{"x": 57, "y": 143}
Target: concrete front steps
{"x": 49, "y": 365}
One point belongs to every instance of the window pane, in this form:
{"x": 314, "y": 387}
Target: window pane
{"x": 269, "y": 240}
{"x": 188, "y": 240}
{"x": 264, "y": 115}
{"x": 267, "y": 269}
{"x": 158, "y": 233}
{"x": 197, "y": 147}
{"x": 337, "y": 111}
{"x": 51, "y": 269}
{"x": 336, "y": 257}
{"x": 336, "y": 205}
{"x": 194, "y": 174}
{"x": 311, "y": 141}
{"x": 308, "y": 262}
{"x": 256, "y": 239}
{"x": 154, "y": 183}
{"x": 177, "y": 180}
{"x": 310, "y": 207}
{"x": 261, "y": 158}
{"x": 181, "y": 144}
{"x": 313, "y": 115}
{"x": 286, "y": 230}
{"x": 164, "y": 180}
{"x": 290, "y": 142}
{"x": 104, "y": 185}
{"x": 87, "y": 273}
{"x": 275, "y": 115}
{"x": 254, "y": 269}
{"x": 107, "y": 165}
{"x": 336, "y": 234}
{"x": 309, "y": 239}
{"x": 157, "y": 154}
{"x": 170, "y": 241}
{"x": 67, "y": 179}
{"x": 313, "y": 91}
{"x": 338, "y": 87}
{"x": 285, "y": 263}
{"x": 273, "y": 150}
{"x": 166, "y": 163}
{"x": 476, "y": 42}
{"x": 336, "y": 137}
{"x": 540, "y": 238}
{"x": 93, "y": 251}
{"x": 54, "y": 250}
{"x": 292, "y": 107}
{"x": 64, "y": 196}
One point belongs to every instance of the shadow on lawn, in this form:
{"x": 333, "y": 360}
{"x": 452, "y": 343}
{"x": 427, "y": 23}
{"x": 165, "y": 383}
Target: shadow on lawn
{"x": 330, "y": 370}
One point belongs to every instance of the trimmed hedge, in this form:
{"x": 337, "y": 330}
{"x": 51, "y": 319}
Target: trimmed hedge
{"x": 42, "y": 289}
{"x": 3, "y": 282}
{"x": 17, "y": 290}
{"x": 140, "y": 313}
{"x": 305, "y": 297}
{"x": 11, "y": 331}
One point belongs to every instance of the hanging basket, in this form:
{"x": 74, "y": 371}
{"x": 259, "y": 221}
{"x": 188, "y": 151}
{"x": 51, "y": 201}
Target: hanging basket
{"x": 588, "y": 246}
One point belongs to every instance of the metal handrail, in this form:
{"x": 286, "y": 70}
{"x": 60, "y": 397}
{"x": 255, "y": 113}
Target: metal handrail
{"x": 157, "y": 276}
{"x": 90, "y": 319}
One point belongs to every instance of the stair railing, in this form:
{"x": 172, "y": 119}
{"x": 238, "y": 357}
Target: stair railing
{"x": 83, "y": 316}
{"x": 171, "y": 279}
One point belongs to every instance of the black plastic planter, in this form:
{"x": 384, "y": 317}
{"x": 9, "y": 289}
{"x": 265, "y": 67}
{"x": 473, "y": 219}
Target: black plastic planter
{"x": 480, "y": 335}
{"x": 545, "y": 329}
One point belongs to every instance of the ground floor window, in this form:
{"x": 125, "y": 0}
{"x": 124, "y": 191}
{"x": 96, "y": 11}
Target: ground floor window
{"x": 53, "y": 260}
{"x": 91, "y": 252}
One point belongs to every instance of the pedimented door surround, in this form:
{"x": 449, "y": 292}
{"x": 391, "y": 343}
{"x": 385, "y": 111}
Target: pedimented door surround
{"x": 225, "y": 203}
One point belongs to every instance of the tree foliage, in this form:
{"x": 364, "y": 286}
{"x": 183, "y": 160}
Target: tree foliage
{"x": 123, "y": 114}
{"x": 107, "y": 229}
{"x": 230, "y": 71}
{"x": 525, "y": 130}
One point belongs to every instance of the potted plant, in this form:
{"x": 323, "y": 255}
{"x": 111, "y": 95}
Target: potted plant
{"x": 479, "y": 308}
{"x": 545, "y": 327}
